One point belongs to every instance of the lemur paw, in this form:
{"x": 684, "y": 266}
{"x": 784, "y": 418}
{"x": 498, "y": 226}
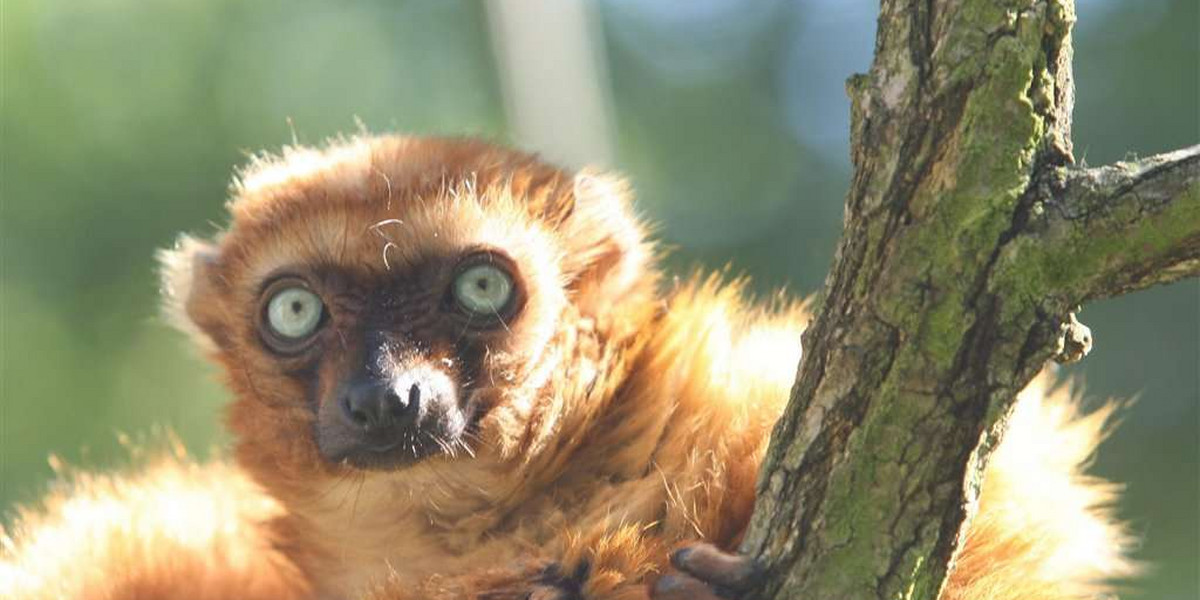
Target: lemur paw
{"x": 554, "y": 583}
{"x": 706, "y": 573}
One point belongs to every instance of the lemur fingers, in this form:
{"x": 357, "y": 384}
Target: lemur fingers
{"x": 706, "y": 573}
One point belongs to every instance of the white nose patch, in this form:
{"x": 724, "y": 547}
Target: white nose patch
{"x": 431, "y": 388}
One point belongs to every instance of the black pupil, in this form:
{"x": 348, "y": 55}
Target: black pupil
{"x": 482, "y": 284}
{"x": 297, "y": 307}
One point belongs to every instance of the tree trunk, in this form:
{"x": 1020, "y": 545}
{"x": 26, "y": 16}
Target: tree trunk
{"x": 969, "y": 240}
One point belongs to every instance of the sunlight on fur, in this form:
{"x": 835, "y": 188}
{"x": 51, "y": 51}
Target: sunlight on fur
{"x": 1044, "y": 528}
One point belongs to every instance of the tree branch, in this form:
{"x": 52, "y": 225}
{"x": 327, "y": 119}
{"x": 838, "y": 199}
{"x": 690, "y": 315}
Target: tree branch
{"x": 967, "y": 245}
{"x": 968, "y": 242}
{"x": 1124, "y": 227}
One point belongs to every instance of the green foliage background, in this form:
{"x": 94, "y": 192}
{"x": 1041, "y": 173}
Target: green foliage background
{"x": 122, "y": 119}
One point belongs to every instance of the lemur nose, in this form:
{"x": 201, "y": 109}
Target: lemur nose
{"x": 375, "y": 404}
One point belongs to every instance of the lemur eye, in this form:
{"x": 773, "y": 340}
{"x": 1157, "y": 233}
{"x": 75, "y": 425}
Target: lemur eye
{"x": 484, "y": 289}
{"x": 293, "y": 314}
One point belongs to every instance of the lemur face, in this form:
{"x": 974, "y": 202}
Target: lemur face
{"x": 374, "y": 303}
{"x": 401, "y": 362}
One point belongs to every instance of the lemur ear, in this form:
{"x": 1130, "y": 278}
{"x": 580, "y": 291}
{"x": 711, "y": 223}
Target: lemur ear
{"x": 189, "y": 299}
{"x": 608, "y": 250}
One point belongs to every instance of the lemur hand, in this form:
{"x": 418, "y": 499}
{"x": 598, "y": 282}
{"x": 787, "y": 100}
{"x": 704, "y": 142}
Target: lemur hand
{"x": 706, "y": 573}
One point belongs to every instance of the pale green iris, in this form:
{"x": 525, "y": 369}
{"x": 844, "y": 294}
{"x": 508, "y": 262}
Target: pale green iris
{"x": 483, "y": 289}
{"x": 294, "y": 313}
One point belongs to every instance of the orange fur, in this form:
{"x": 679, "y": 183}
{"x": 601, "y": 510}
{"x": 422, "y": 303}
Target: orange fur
{"x": 621, "y": 419}
{"x": 174, "y": 530}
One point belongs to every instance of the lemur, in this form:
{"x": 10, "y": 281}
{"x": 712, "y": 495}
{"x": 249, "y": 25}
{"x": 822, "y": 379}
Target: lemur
{"x": 458, "y": 372}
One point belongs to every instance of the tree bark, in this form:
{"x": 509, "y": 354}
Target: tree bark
{"x": 969, "y": 240}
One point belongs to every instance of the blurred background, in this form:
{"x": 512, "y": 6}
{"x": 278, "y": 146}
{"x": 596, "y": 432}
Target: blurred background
{"x": 122, "y": 120}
